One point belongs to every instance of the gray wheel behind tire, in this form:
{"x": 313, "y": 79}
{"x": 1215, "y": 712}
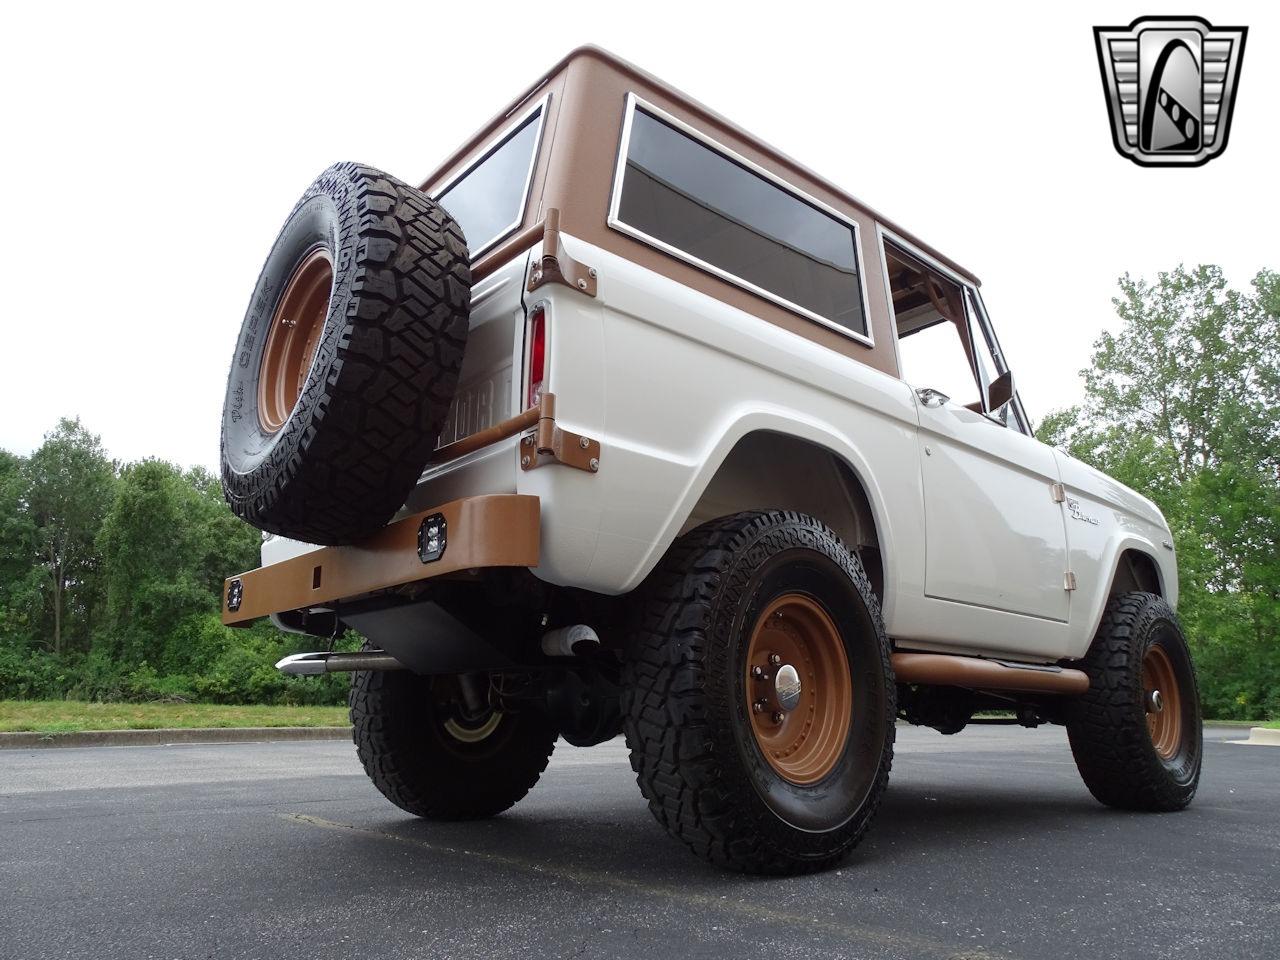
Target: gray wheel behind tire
{"x": 1136, "y": 735}
{"x": 751, "y": 765}
{"x": 427, "y": 759}
{"x": 347, "y": 359}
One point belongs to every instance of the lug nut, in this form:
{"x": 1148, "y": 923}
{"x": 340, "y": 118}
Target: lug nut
{"x": 778, "y": 716}
{"x": 774, "y": 659}
{"x": 758, "y": 706}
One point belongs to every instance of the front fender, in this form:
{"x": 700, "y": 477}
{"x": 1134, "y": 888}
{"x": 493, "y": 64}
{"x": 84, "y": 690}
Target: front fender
{"x": 1103, "y": 519}
{"x": 1107, "y": 563}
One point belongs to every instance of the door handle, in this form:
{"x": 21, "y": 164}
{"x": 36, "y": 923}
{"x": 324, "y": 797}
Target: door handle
{"x": 930, "y": 397}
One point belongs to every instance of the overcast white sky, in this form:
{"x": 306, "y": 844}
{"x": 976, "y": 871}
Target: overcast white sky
{"x": 152, "y": 153}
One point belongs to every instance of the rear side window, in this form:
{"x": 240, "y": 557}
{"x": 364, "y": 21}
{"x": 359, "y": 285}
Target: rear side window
{"x": 696, "y": 201}
{"x": 488, "y": 198}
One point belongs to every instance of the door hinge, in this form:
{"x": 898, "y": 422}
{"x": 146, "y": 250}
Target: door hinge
{"x": 563, "y": 446}
{"x": 550, "y": 444}
{"x": 1058, "y": 492}
{"x": 1069, "y": 581}
{"x": 555, "y": 265}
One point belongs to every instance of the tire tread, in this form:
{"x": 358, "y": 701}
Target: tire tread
{"x": 366, "y": 429}
{"x": 665, "y": 701}
{"x": 411, "y": 769}
{"x": 1107, "y": 730}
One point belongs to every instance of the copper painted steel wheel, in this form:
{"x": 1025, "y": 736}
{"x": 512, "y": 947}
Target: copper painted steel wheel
{"x": 1136, "y": 750}
{"x": 1164, "y": 719}
{"x": 293, "y": 336}
{"x": 804, "y": 743}
{"x": 347, "y": 360}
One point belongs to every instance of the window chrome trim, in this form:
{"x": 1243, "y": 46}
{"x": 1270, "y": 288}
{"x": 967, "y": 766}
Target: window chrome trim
{"x": 538, "y": 109}
{"x": 888, "y": 296}
{"x": 984, "y": 321}
{"x": 633, "y": 103}
{"x": 912, "y": 250}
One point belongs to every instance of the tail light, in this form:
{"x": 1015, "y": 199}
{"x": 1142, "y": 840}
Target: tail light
{"x": 536, "y": 362}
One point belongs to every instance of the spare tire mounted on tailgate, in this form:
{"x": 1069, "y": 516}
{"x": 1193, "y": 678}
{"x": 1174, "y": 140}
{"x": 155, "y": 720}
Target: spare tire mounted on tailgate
{"x": 347, "y": 360}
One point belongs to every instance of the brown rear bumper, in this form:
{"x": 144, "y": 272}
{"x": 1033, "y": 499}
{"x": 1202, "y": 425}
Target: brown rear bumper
{"x": 490, "y": 531}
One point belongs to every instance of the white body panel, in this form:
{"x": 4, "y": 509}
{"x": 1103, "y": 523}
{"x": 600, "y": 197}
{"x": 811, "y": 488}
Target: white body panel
{"x": 680, "y": 378}
{"x": 1124, "y": 520}
{"x": 974, "y": 549}
{"x": 994, "y": 534}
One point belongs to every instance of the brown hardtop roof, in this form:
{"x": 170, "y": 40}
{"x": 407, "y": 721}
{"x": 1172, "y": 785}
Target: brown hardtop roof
{"x": 590, "y": 51}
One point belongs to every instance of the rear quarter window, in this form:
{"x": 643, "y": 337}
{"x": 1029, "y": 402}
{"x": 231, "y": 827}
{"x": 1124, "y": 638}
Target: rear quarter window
{"x": 488, "y": 198}
{"x": 694, "y": 200}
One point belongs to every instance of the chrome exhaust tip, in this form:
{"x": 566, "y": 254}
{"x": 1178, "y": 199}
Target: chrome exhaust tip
{"x": 314, "y": 664}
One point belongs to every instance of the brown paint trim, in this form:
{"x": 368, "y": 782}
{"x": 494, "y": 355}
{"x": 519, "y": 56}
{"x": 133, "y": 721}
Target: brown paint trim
{"x": 553, "y": 78}
{"x": 940, "y": 669}
{"x": 580, "y": 178}
{"x": 500, "y": 530}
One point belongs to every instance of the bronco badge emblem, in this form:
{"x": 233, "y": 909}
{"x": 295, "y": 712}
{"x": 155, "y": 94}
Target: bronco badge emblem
{"x": 1170, "y": 84}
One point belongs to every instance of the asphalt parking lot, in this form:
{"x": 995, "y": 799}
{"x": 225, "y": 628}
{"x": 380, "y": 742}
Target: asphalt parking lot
{"x": 987, "y": 846}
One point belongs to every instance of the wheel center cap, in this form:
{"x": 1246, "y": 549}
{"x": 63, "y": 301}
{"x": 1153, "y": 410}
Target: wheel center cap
{"x": 1155, "y": 702}
{"x": 786, "y": 687}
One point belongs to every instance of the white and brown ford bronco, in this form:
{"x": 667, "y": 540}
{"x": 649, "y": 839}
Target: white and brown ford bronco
{"x": 624, "y": 422}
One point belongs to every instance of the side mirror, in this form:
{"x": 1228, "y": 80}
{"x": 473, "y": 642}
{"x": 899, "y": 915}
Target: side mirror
{"x": 1000, "y": 392}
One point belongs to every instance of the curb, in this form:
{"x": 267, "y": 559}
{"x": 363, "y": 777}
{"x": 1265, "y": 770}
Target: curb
{"x": 1262, "y": 736}
{"x": 137, "y": 738}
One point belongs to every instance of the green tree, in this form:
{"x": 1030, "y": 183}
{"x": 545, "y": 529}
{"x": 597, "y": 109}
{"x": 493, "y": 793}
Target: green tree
{"x": 21, "y": 579}
{"x": 143, "y": 594}
{"x": 167, "y": 543}
{"x": 69, "y": 484}
{"x": 1182, "y": 404}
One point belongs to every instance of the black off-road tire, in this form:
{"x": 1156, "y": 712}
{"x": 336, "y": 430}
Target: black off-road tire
{"x": 399, "y": 720}
{"x": 685, "y": 718}
{"x": 1109, "y": 733}
{"x": 384, "y": 367}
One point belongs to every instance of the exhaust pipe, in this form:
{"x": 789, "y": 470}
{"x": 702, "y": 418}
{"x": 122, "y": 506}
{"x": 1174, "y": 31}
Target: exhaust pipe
{"x": 571, "y": 641}
{"x": 314, "y": 664}
{"x": 946, "y": 670}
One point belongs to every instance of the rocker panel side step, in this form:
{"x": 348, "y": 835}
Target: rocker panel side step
{"x": 947, "y": 670}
